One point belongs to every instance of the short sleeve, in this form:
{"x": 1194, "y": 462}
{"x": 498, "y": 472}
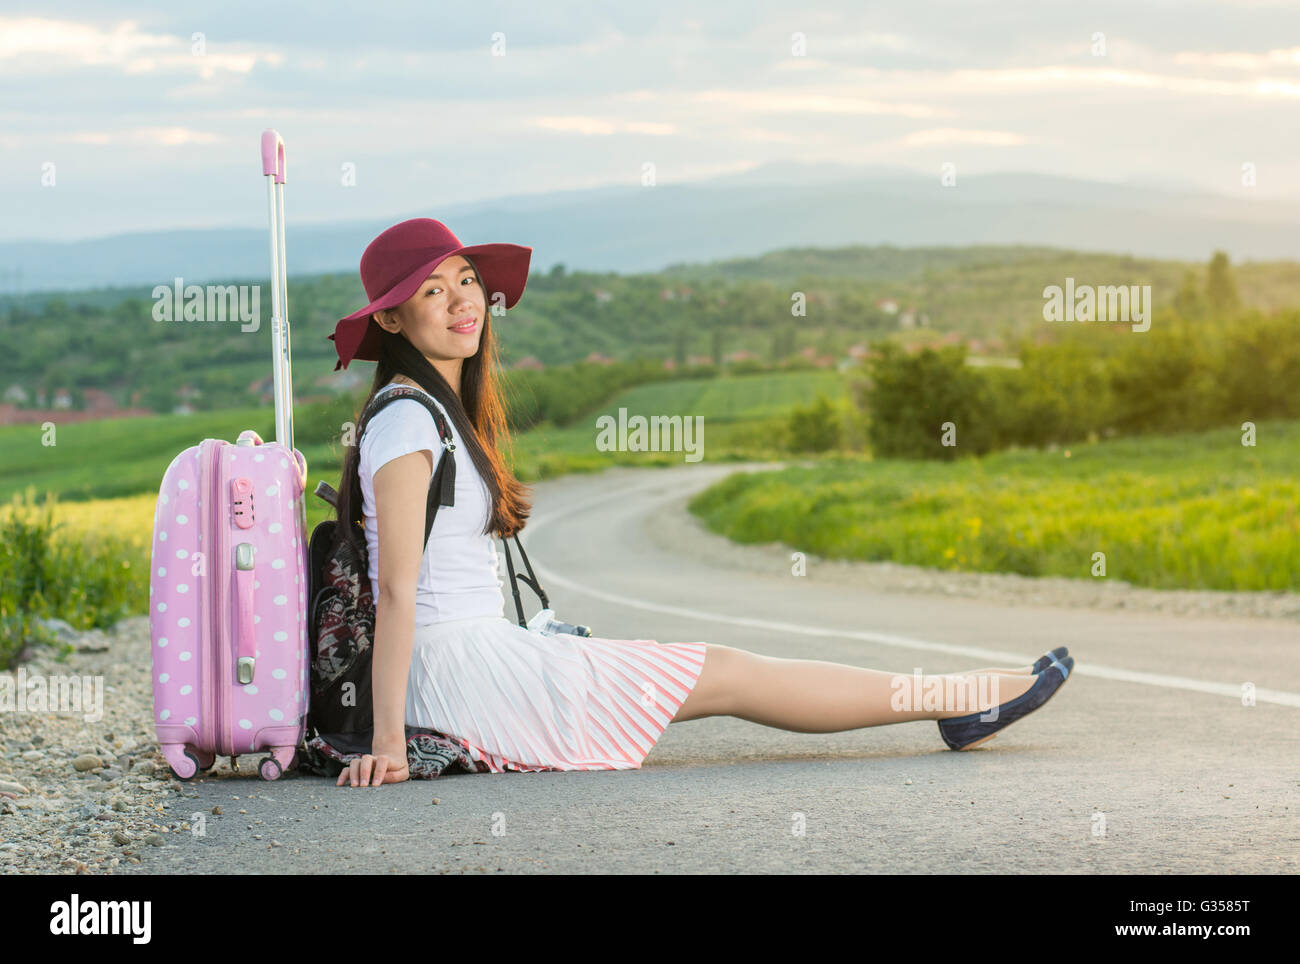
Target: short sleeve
{"x": 402, "y": 427}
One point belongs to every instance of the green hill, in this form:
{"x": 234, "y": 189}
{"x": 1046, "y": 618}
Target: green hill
{"x": 108, "y": 339}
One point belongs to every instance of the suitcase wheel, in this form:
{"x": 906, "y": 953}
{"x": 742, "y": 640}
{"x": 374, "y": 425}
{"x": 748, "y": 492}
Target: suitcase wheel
{"x": 274, "y": 764}
{"x": 183, "y": 763}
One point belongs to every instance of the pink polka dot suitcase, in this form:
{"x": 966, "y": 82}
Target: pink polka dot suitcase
{"x": 228, "y": 575}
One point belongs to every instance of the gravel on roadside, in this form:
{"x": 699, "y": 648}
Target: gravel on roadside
{"x": 81, "y": 795}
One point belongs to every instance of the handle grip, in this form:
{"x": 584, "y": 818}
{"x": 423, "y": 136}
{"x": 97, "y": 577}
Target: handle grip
{"x": 273, "y": 155}
{"x": 246, "y": 649}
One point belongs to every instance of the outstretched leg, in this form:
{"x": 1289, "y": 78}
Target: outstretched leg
{"x": 815, "y": 696}
{"x": 1004, "y": 670}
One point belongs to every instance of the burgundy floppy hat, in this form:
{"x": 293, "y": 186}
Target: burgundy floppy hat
{"x": 397, "y": 262}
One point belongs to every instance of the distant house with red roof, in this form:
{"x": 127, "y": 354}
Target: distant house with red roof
{"x": 99, "y": 404}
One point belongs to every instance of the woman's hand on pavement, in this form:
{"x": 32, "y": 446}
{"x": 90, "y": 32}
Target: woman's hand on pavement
{"x": 387, "y": 764}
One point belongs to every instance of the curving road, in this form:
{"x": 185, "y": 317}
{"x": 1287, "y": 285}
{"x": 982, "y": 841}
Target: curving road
{"x": 1146, "y": 762}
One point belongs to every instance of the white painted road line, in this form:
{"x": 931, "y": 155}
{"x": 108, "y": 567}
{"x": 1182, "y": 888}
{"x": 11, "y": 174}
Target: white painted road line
{"x": 1231, "y": 690}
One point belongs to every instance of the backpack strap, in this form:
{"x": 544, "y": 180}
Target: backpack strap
{"x": 530, "y": 580}
{"x": 442, "y": 487}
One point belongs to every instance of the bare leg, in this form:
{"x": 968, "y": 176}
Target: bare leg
{"x": 1004, "y": 670}
{"x": 815, "y": 696}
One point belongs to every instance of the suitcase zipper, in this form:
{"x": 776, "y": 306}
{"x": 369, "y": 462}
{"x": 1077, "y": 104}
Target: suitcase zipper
{"x": 224, "y": 702}
{"x": 207, "y": 596}
{"x": 214, "y": 680}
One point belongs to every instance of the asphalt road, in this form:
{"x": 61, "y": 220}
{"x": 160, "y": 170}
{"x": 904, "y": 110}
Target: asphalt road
{"x": 1146, "y": 762}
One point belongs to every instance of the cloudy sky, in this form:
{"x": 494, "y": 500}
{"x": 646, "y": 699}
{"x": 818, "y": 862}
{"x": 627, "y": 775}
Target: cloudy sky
{"x": 138, "y": 116}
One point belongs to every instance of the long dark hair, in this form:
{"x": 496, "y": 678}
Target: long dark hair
{"x": 478, "y": 414}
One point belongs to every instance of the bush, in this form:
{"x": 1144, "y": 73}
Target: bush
{"x": 1179, "y": 377}
{"x": 748, "y": 366}
{"x": 89, "y": 582}
{"x": 911, "y": 397}
{"x": 1060, "y": 394}
{"x": 815, "y": 428}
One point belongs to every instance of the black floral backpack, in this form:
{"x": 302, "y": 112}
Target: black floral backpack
{"x": 341, "y": 629}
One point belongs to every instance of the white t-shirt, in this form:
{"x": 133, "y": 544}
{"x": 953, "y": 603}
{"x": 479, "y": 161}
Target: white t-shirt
{"x": 459, "y": 571}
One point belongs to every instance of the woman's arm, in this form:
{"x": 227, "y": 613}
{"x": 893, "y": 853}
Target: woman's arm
{"x": 401, "y": 491}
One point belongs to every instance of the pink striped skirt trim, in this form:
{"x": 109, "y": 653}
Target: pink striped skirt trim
{"x": 518, "y": 700}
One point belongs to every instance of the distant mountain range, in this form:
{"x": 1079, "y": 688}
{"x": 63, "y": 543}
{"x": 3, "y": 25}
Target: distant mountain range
{"x": 626, "y": 229}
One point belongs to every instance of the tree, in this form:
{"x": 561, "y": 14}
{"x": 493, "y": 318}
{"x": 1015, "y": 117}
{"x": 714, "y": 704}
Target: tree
{"x": 1220, "y": 286}
{"x": 814, "y": 428}
{"x": 911, "y": 398}
{"x": 782, "y": 343}
{"x": 1188, "y": 301}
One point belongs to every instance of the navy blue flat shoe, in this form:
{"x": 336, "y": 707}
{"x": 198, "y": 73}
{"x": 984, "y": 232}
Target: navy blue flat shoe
{"x": 1047, "y": 659}
{"x": 965, "y": 732}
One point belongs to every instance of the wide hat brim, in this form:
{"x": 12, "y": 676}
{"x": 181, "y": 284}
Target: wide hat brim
{"x": 502, "y": 267}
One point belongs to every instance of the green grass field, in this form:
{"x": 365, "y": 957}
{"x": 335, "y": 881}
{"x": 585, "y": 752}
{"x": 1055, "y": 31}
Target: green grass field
{"x": 743, "y": 418}
{"x": 1196, "y": 511}
{"x": 123, "y": 457}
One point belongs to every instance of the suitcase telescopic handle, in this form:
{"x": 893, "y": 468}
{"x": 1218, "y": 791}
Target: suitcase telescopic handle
{"x": 273, "y": 169}
{"x": 273, "y": 155}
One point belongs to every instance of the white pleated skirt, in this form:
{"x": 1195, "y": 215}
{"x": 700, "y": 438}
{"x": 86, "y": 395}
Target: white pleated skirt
{"x": 519, "y": 700}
